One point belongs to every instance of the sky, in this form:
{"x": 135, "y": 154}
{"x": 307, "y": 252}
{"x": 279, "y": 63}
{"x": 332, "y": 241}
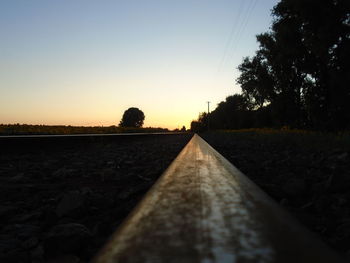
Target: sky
{"x": 84, "y": 62}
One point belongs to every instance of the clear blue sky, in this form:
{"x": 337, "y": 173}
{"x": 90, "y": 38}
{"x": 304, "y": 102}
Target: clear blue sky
{"x": 82, "y": 62}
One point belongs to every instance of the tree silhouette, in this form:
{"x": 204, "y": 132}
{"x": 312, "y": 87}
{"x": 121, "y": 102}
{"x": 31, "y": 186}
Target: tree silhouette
{"x": 298, "y": 77}
{"x": 301, "y": 69}
{"x": 231, "y": 113}
{"x": 132, "y": 117}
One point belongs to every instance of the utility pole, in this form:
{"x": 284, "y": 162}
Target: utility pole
{"x": 208, "y": 114}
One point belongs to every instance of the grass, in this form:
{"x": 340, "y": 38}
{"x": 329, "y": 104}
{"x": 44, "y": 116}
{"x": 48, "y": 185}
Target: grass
{"x": 299, "y": 138}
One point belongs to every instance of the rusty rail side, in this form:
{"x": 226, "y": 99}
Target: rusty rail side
{"x": 203, "y": 209}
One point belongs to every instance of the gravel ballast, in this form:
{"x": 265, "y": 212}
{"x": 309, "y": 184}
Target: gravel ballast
{"x": 61, "y": 199}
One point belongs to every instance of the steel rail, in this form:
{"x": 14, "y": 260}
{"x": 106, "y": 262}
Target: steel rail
{"x": 37, "y": 142}
{"x": 203, "y": 209}
{"x": 84, "y": 135}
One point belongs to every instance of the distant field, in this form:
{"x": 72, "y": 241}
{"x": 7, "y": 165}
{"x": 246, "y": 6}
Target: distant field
{"x": 307, "y": 172}
{"x": 25, "y": 129}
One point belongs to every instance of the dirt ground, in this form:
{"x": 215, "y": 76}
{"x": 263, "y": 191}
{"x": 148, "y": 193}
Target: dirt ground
{"x": 307, "y": 173}
{"x": 62, "y": 199}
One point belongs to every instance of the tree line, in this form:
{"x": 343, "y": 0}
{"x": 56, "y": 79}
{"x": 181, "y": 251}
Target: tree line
{"x": 299, "y": 76}
{"x": 27, "y": 129}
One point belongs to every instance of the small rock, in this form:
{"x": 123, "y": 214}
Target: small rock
{"x": 50, "y": 217}
{"x": 22, "y": 231}
{"x": 132, "y": 191}
{"x": 65, "y": 259}
{"x": 129, "y": 162}
{"x": 37, "y": 253}
{"x": 111, "y": 163}
{"x": 50, "y": 201}
{"x": 30, "y": 243}
{"x": 62, "y": 173}
{"x": 284, "y": 202}
{"x": 343, "y": 230}
{"x": 319, "y": 187}
{"x": 7, "y": 211}
{"x": 18, "y": 178}
{"x": 274, "y": 190}
{"x": 307, "y": 205}
{"x": 343, "y": 156}
{"x": 66, "y": 238}
{"x": 86, "y": 191}
{"x": 69, "y": 203}
{"x": 108, "y": 175}
{"x": 340, "y": 182}
{"x": 321, "y": 203}
{"x": 15, "y": 256}
{"x": 294, "y": 187}
{"x": 8, "y": 243}
{"x": 27, "y": 217}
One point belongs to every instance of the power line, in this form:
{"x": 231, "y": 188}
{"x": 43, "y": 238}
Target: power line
{"x": 244, "y": 24}
{"x": 237, "y": 31}
{"x": 233, "y": 31}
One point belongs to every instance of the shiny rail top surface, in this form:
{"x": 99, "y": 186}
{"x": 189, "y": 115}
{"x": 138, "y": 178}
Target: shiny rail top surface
{"x": 203, "y": 209}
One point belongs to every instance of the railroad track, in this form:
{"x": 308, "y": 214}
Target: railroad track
{"x": 11, "y": 142}
{"x": 203, "y": 209}
{"x": 2, "y": 137}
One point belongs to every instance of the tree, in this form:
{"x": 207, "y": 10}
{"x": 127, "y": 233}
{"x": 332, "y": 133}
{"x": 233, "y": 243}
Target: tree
{"x": 326, "y": 35}
{"x": 256, "y": 81}
{"x": 301, "y": 69}
{"x": 196, "y": 126}
{"x": 132, "y": 117}
{"x": 231, "y": 114}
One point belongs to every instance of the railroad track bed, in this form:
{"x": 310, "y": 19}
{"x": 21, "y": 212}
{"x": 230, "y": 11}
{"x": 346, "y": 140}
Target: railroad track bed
{"x": 63, "y": 202}
{"x": 308, "y": 174}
